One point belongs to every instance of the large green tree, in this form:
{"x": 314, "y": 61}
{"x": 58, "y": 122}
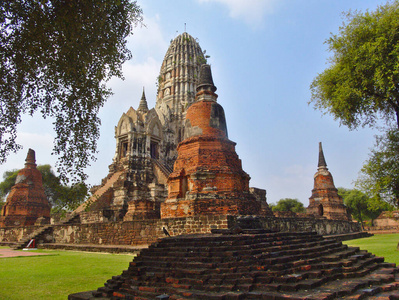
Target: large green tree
{"x": 380, "y": 174}
{"x": 55, "y": 56}
{"x": 361, "y": 88}
{"x": 361, "y": 206}
{"x": 61, "y": 197}
{"x": 361, "y": 85}
{"x": 289, "y": 204}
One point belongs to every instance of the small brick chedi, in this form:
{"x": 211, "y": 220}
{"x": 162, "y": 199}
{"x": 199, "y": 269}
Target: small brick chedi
{"x": 208, "y": 177}
{"x": 26, "y": 202}
{"x": 325, "y": 201}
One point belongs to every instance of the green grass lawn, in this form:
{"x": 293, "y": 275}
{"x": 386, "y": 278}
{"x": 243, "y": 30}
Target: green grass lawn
{"x": 61, "y": 273}
{"x": 57, "y": 275}
{"x": 380, "y": 245}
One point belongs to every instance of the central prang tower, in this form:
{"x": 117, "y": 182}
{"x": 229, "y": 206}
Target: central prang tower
{"x": 147, "y": 140}
{"x": 177, "y": 82}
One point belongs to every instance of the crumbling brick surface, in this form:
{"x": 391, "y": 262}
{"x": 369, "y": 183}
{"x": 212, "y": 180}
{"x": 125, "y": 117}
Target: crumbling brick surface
{"x": 325, "y": 201}
{"x": 254, "y": 264}
{"x": 26, "y": 201}
{"x": 208, "y": 177}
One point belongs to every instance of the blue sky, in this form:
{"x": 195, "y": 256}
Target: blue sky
{"x": 264, "y": 55}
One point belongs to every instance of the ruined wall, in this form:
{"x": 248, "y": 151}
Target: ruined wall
{"x": 14, "y": 234}
{"x": 323, "y": 227}
{"x": 135, "y": 232}
{"x": 147, "y": 231}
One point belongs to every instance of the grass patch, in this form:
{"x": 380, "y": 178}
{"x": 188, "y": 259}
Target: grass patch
{"x": 380, "y": 244}
{"x": 61, "y": 273}
{"x": 57, "y": 275}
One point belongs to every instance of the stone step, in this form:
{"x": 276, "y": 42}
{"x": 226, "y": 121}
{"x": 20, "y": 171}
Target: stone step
{"x": 266, "y": 250}
{"x": 264, "y": 266}
{"x": 228, "y": 251}
{"x": 231, "y": 241}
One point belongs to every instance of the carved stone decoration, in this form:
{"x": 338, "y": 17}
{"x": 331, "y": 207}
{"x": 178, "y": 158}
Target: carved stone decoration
{"x": 147, "y": 139}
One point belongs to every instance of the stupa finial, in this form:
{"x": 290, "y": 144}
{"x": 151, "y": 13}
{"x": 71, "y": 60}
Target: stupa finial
{"x": 205, "y": 81}
{"x": 30, "y": 158}
{"x": 322, "y": 161}
{"x": 143, "y": 107}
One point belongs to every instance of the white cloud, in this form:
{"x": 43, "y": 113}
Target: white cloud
{"x": 148, "y": 47}
{"x": 250, "y": 11}
{"x": 148, "y": 40}
{"x": 137, "y": 76}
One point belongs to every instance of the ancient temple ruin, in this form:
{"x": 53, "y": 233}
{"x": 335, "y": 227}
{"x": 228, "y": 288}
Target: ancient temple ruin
{"x": 147, "y": 142}
{"x": 208, "y": 178}
{"x": 26, "y": 203}
{"x": 325, "y": 201}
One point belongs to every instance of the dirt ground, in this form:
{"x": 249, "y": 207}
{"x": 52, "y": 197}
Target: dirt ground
{"x": 14, "y": 253}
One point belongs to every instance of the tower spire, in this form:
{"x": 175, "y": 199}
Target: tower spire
{"x": 143, "y": 107}
{"x": 30, "y": 161}
{"x": 205, "y": 88}
{"x": 322, "y": 161}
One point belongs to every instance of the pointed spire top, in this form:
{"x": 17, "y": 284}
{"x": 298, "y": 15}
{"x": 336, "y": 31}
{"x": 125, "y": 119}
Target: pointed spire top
{"x": 143, "y": 107}
{"x": 322, "y": 160}
{"x": 205, "y": 81}
{"x": 30, "y": 159}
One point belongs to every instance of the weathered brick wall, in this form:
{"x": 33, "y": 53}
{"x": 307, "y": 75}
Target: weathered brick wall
{"x": 386, "y": 222}
{"x": 135, "y": 232}
{"x": 97, "y": 216}
{"x": 14, "y": 234}
{"x": 321, "y": 226}
{"x": 148, "y": 231}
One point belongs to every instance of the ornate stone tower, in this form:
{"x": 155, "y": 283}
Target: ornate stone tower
{"x": 146, "y": 140}
{"x": 208, "y": 176}
{"x": 27, "y": 201}
{"x": 140, "y": 187}
{"x": 146, "y": 147}
{"x": 325, "y": 201}
{"x": 177, "y": 82}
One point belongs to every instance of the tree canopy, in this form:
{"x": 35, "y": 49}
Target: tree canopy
{"x": 361, "y": 206}
{"x": 361, "y": 85}
{"x": 288, "y": 204}
{"x": 380, "y": 174}
{"x": 55, "y": 57}
{"x": 61, "y": 197}
{"x": 361, "y": 88}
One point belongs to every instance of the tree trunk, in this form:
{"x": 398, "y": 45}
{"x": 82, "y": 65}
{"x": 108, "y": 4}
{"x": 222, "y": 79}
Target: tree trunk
{"x": 360, "y": 217}
{"x": 397, "y": 117}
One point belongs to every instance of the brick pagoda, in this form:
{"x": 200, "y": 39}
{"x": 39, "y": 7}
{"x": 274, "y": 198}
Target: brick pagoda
{"x": 325, "y": 201}
{"x": 27, "y": 201}
{"x": 208, "y": 177}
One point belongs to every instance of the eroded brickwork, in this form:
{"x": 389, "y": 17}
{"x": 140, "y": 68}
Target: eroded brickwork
{"x": 325, "y": 201}
{"x": 208, "y": 177}
{"x": 26, "y": 201}
{"x": 141, "y": 232}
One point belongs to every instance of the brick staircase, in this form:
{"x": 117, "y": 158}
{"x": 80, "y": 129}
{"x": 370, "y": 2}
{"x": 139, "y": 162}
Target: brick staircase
{"x": 163, "y": 168}
{"x": 74, "y": 216}
{"x": 25, "y": 240}
{"x": 101, "y": 191}
{"x": 252, "y": 265}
